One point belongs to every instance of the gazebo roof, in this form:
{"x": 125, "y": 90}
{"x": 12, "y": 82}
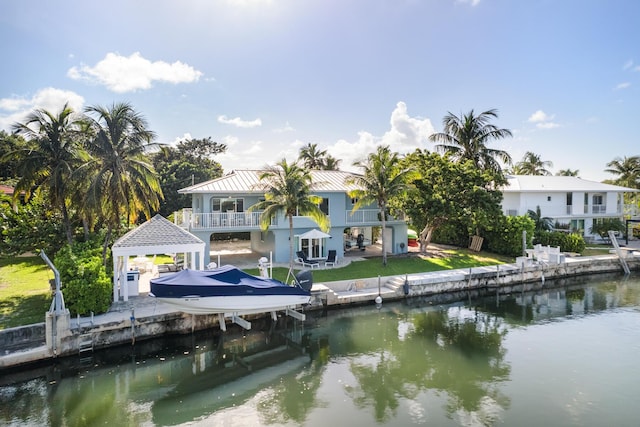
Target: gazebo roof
{"x": 158, "y": 235}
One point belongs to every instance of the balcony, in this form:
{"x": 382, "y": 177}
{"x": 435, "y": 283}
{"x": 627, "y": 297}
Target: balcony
{"x": 367, "y": 216}
{"x": 223, "y": 221}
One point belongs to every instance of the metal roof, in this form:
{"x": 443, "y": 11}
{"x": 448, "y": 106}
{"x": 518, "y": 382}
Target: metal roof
{"x": 248, "y": 181}
{"x": 533, "y": 183}
{"x": 158, "y": 231}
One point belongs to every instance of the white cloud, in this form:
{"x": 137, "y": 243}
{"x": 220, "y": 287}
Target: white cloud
{"x": 286, "y": 128}
{"x": 547, "y": 125}
{"x": 543, "y": 120}
{"x": 16, "y": 109}
{"x": 238, "y": 122}
{"x": 539, "y": 116}
{"x": 627, "y": 65}
{"x": 405, "y": 135}
{"x": 623, "y": 85}
{"x": 127, "y": 74}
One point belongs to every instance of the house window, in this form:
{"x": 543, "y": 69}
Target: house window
{"x": 597, "y": 199}
{"x": 354, "y": 201}
{"x": 324, "y": 206}
{"x": 227, "y": 204}
{"x": 548, "y": 198}
{"x": 569, "y": 199}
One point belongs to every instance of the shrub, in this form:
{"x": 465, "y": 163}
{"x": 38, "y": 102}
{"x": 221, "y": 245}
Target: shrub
{"x": 506, "y": 237}
{"x": 84, "y": 281}
{"x": 568, "y": 242}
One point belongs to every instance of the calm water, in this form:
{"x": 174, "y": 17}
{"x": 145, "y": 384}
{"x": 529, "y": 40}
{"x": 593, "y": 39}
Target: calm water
{"x": 567, "y": 356}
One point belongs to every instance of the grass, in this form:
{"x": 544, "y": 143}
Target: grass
{"x": 399, "y": 265}
{"x": 25, "y": 293}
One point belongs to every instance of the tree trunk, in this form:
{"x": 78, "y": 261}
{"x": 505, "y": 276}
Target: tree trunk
{"x": 425, "y": 237}
{"x": 383, "y": 217}
{"x": 67, "y": 222}
{"x": 291, "y": 243}
{"x": 105, "y": 245}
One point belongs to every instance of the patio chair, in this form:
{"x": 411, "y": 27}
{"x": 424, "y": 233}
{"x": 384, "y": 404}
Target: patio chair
{"x": 331, "y": 258}
{"x": 302, "y": 259}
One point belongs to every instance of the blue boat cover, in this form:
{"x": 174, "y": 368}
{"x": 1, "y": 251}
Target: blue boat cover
{"x": 223, "y": 281}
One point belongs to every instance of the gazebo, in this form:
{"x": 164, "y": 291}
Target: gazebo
{"x": 156, "y": 236}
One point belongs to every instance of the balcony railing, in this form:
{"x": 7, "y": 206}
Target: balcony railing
{"x": 218, "y": 220}
{"x": 364, "y": 216}
{"x": 598, "y": 209}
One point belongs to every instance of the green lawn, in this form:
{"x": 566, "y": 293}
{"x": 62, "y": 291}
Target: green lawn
{"x": 372, "y": 267}
{"x": 25, "y": 294}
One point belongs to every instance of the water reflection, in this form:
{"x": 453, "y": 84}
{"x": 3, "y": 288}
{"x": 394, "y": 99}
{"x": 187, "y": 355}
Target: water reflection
{"x": 421, "y": 361}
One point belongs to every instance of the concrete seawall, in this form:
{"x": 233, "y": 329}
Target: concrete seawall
{"x": 144, "y": 317}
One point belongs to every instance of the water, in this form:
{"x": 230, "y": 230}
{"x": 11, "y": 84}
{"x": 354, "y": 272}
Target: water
{"x": 566, "y": 356}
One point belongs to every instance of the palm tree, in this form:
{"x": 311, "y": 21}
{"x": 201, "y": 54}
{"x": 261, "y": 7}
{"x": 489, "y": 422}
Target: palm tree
{"x": 288, "y": 191}
{"x": 543, "y": 223}
{"x": 568, "y": 172}
{"x": 384, "y": 177}
{"x": 311, "y": 157}
{"x": 627, "y": 169}
{"x": 532, "y": 164}
{"x": 331, "y": 163}
{"x": 122, "y": 181}
{"x": 466, "y": 138}
{"x": 49, "y": 161}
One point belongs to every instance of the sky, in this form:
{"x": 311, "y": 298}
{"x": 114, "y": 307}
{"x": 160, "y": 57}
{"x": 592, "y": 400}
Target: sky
{"x": 267, "y": 77}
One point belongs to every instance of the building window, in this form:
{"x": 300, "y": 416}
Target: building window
{"x": 324, "y": 206}
{"x": 227, "y": 204}
{"x": 548, "y": 198}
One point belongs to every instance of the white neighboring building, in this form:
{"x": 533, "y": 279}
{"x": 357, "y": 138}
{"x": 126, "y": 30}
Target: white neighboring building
{"x": 568, "y": 200}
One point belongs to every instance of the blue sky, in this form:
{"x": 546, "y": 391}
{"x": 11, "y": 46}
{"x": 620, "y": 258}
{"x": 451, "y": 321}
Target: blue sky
{"x": 269, "y": 76}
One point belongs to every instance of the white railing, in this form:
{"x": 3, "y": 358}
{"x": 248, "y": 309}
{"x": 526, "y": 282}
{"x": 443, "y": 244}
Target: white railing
{"x": 363, "y": 216}
{"x": 598, "y": 209}
{"x": 218, "y": 220}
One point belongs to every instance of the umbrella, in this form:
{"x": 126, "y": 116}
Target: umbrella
{"x": 314, "y": 234}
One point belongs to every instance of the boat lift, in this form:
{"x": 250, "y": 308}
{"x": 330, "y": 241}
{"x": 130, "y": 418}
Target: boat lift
{"x": 235, "y": 317}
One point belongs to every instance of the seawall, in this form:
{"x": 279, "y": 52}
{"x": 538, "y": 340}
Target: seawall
{"x": 143, "y": 317}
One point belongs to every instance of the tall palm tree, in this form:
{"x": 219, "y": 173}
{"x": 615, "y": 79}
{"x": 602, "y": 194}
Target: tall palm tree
{"x": 311, "y": 157}
{"x": 568, "y": 172}
{"x": 122, "y": 181}
{"x": 384, "y": 177}
{"x": 466, "y": 138}
{"x": 331, "y": 163}
{"x": 288, "y": 191}
{"x": 532, "y": 164}
{"x": 627, "y": 169}
{"x": 48, "y": 163}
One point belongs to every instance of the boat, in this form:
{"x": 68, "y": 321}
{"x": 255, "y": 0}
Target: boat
{"x": 228, "y": 290}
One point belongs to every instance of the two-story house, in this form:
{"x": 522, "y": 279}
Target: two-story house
{"x": 571, "y": 202}
{"x": 221, "y": 206}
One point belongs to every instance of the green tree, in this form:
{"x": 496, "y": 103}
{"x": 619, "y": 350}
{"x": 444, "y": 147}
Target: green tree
{"x": 466, "y": 138}
{"x": 9, "y": 143}
{"x": 288, "y": 191}
{"x": 53, "y": 153}
{"x": 532, "y": 164}
{"x": 331, "y": 163}
{"x": 384, "y": 178}
{"x": 445, "y": 191}
{"x": 311, "y": 157}
{"x": 627, "y": 170}
{"x": 568, "y": 172}
{"x": 190, "y": 161}
{"x": 543, "y": 223}
{"x": 122, "y": 181}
